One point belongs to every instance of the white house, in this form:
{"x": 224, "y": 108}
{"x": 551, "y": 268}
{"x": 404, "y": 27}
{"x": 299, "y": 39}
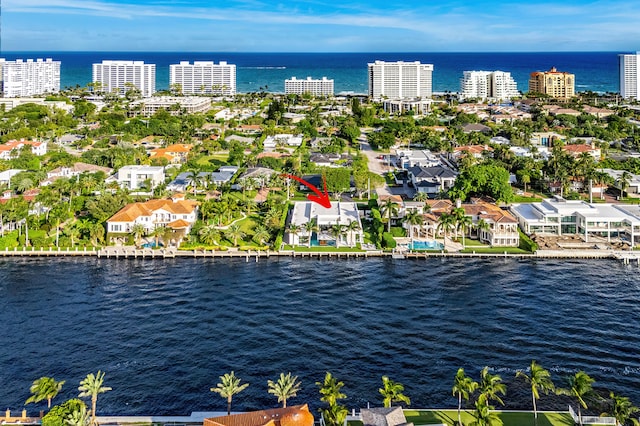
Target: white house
{"x": 319, "y": 226}
{"x": 175, "y": 213}
{"x": 37, "y": 148}
{"x": 134, "y": 177}
{"x": 575, "y": 217}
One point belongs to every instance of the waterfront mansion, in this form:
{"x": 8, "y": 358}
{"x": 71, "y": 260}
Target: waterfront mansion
{"x": 557, "y": 216}
{"x": 310, "y": 224}
{"x": 175, "y": 213}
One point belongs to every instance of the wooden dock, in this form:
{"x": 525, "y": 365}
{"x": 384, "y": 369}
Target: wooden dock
{"x": 111, "y": 252}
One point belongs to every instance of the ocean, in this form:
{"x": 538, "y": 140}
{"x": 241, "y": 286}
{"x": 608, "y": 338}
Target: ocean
{"x": 595, "y": 71}
{"x": 163, "y": 331}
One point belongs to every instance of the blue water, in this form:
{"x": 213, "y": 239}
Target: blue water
{"x": 164, "y": 330}
{"x": 595, "y": 71}
{"x": 425, "y": 245}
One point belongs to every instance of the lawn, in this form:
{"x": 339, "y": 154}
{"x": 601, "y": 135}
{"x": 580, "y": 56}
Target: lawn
{"x": 216, "y": 160}
{"x": 300, "y": 249}
{"x": 509, "y": 418}
{"x": 500, "y": 250}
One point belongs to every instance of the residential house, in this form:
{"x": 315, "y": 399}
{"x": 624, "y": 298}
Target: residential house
{"x": 475, "y": 151}
{"x": 432, "y": 180}
{"x": 271, "y": 142}
{"x": 329, "y": 160}
{"x": 261, "y": 175}
{"x": 175, "y": 213}
{"x": 545, "y": 138}
{"x": 576, "y": 150}
{"x": 298, "y": 415}
{"x": 77, "y": 169}
{"x": 336, "y": 226}
{"x": 476, "y": 127}
{"x": 557, "y": 216}
{"x": 412, "y": 158}
{"x": 7, "y": 175}
{"x": 37, "y": 148}
{"x": 632, "y": 185}
{"x": 135, "y": 177}
{"x": 500, "y": 227}
{"x": 184, "y": 180}
{"x": 174, "y": 154}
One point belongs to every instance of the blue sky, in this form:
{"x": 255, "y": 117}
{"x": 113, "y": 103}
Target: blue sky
{"x": 320, "y": 25}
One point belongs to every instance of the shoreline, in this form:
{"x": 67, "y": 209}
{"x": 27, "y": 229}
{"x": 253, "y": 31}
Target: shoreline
{"x": 626, "y": 257}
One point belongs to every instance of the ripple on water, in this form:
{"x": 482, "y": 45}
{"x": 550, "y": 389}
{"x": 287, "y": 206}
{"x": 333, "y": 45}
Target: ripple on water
{"x": 164, "y": 331}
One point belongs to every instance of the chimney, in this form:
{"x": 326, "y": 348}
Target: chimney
{"x": 458, "y": 203}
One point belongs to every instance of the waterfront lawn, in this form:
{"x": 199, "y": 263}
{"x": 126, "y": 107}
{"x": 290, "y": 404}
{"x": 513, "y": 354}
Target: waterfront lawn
{"x": 500, "y": 250}
{"x": 300, "y": 249}
{"x": 215, "y": 160}
{"x": 450, "y": 417}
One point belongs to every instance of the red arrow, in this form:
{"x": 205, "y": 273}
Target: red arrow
{"x": 322, "y": 198}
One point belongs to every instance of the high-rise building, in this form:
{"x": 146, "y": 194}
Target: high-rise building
{"x": 322, "y": 87}
{"x": 559, "y": 85}
{"x": 495, "y": 85}
{"x": 629, "y": 82}
{"x": 204, "y": 77}
{"x": 120, "y": 75}
{"x": 400, "y": 80}
{"x": 22, "y": 78}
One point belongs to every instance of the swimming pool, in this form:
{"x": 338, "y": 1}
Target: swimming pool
{"x": 425, "y": 245}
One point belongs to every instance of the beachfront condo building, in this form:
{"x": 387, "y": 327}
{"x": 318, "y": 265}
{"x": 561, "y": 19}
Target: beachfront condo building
{"x": 628, "y": 68}
{"x": 492, "y": 85}
{"x": 122, "y": 76}
{"x": 315, "y": 87}
{"x": 22, "y": 78}
{"x": 203, "y": 77}
{"x": 400, "y": 80}
{"x": 554, "y": 83}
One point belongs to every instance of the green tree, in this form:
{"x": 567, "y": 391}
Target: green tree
{"x": 389, "y": 208}
{"x": 58, "y": 415}
{"x": 79, "y": 417}
{"x": 44, "y": 388}
{"x": 138, "y": 230}
{"x": 234, "y": 233}
{"x": 491, "y": 385}
{"x": 484, "y": 414}
{"x": 331, "y": 391}
{"x": 413, "y": 218}
{"x": 392, "y": 392}
{"x": 310, "y": 227}
{"x": 621, "y": 409}
{"x": 286, "y": 387}
{"x": 92, "y": 386}
{"x": 261, "y": 235}
{"x": 228, "y": 386}
{"x": 463, "y": 387}
{"x": 540, "y": 380}
{"x": 209, "y": 235}
{"x": 579, "y": 386}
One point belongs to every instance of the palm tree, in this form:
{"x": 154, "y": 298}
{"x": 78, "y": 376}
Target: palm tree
{"x": 138, "y": 230}
{"x": 337, "y": 231}
{"x": 229, "y": 385}
{"x": 392, "y": 392}
{"x": 413, "y": 218}
{"x": 157, "y": 233}
{"x": 330, "y": 389}
{"x": 420, "y": 196}
{"x": 92, "y": 386}
{"x": 261, "y": 235}
{"x": 624, "y": 180}
{"x": 491, "y": 385}
{"x": 294, "y": 229}
{"x": 79, "y": 417}
{"x": 482, "y": 225}
{"x": 44, "y": 388}
{"x": 580, "y": 387}
{"x": 622, "y": 409}
{"x": 286, "y": 387}
{"x": 209, "y": 235}
{"x": 310, "y": 227}
{"x": 484, "y": 414}
{"x": 352, "y": 228}
{"x": 389, "y": 208}
{"x": 540, "y": 380}
{"x": 234, "y": 232}
{"x": 463, "y": 223}
{"x": 463, "y": 387}
{"x": 446, "y": 223}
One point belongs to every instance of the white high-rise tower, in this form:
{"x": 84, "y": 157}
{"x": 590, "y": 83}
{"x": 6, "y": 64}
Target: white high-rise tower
{"x": 400, "y": 80}
{"x": 22, "y": 78}
{"x": 495, "y": 85}
{"x": 204, "y": 77}
{"x": 628, "y": 68}
{"x": 118, "y": 75}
